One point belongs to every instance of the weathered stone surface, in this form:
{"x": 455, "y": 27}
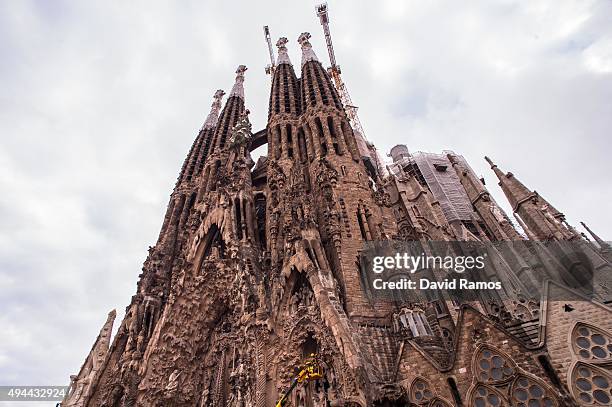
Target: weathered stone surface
{"x": 254, "y": 270}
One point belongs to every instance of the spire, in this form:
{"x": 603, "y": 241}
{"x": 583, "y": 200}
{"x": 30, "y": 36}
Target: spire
{"x": 495, "y": 169}
{"x": 317, "y": 86}
{"x": 238, "y": 88}
{"x": 104, "y": 337}
{"x": 493, "y": 216}
{"x": 307, "y": 52}
{"x": 283, "y": 56}
{"x": 285, "y": 94}
{"x": 514, "y": 190}
{"x": 234, "y": 107}
{"x": 517, "y": 192}
{"x": 81, "y": 383}
{"x": 523, "y": 226}
{"x": 211, "y": 120}
{"x": 599, "y": 240}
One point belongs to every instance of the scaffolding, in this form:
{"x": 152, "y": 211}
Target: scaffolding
{"x": 436, "y": 172}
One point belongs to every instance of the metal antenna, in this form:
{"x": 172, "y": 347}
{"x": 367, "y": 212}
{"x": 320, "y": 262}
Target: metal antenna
{"x": 269, "y": 68}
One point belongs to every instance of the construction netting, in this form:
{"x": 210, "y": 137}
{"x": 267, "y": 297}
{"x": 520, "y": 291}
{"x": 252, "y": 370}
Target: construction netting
{"x": 445, "y": 185}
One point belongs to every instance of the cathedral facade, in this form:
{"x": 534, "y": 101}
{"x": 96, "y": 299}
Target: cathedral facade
{"x": 257, "y": 267}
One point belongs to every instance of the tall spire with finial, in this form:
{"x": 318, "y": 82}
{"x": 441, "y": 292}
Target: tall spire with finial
{"x": 238, "y": 88}
{"x": 283, "y": 111}
{"x": 283, "y": 56}
{"x": 493, "y": 216}
{"x": 602, "y": 244}
{"x": 82, "y": 382}
{"x": 307, "y": 51}
{"x": 500, "y": 174}
{"x": 213, "y": 116}
{"x": 517, "y": 192}
{"x": 284, "y": 95}
{"x": 194, "y": 162}
{"x": 234, "y": 107}
{"x": 541, "y": 218}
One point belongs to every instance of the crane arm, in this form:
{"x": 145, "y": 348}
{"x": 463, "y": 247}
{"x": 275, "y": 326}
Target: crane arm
{"x": 324, "y": 18}
{"x": 309, "y": 372}
{"x": 269, "y": 68}
{"x": 345, "y": 97}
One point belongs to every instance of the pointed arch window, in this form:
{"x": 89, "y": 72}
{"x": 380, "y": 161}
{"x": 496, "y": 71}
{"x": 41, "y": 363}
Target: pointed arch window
{"x": 286, "y": 88}
{"x": 277, "y": 94}
{"x": 527, "y": 392}
{"x": 301, "y": 142}
{"x": 321, "y": 136}
{"x": 420, "y": 391}
{"x": 437, "y": 402}
{"x": 362, "y": 222}
{"x": 311, "y": 91}
{"x": 322, "y": 92}
{"x": 591, "y": 385}
{"x": 238, "y": 218}
{"x": 260, "y": 218}
{"x": 332, "y": 132}
{"x": 591, "y": 344}
{"x": 214, "y": 246}
{"x": 289, "y": 133}
{"x": 485, "y": 396}
{"x": 491, "y": 366}
{"x": 279, "y": 143}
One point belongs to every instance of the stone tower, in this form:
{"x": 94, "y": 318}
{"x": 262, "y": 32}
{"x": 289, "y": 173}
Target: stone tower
{"x": 257, "y": 266}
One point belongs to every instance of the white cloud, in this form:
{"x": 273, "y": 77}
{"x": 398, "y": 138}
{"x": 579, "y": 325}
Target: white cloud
{"x": 101, "y": 101}
{"x": 598, "y": 56}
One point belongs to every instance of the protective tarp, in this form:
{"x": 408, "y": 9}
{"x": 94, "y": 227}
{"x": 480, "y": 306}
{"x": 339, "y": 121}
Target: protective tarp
{"x": 445, "y": 185}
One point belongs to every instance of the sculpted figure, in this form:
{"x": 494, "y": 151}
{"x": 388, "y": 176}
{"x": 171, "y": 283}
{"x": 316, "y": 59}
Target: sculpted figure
{"x": 173, "y": 383}
{"x": 497, "y": 214}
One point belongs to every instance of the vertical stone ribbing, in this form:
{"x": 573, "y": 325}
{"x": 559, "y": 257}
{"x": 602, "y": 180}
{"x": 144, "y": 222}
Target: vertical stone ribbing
{"x": 282, "y": 126}
{"x": 234, "y": 107}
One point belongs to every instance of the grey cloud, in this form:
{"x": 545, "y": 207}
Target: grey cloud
{"x": 101, "y": 101}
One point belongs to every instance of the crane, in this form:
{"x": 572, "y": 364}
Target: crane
{"x": 309, "y": 372}
{"x": 350, "y": 108}
{"x": 335, "y": 71}
{"x": 269, "y": 68}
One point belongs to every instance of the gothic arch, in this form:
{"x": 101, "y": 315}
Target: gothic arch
{"x": 305, "y": 323}
{"x": 421, "y": 391}
{"x": 590, "y": 344}
{"x": 215, "y": 218}
{"x": 483, "y": 395}
{"x": 298, "y": 290}
{"x": 590, "y": 385}
{"x": 527, "y": 390}
{"x": 439, "y": 402}
{"x": 492, "y": 366}
{"x": 213, "y": 235}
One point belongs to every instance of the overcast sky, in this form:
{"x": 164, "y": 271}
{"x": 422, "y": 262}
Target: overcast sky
{"x": 100, "y": 102}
